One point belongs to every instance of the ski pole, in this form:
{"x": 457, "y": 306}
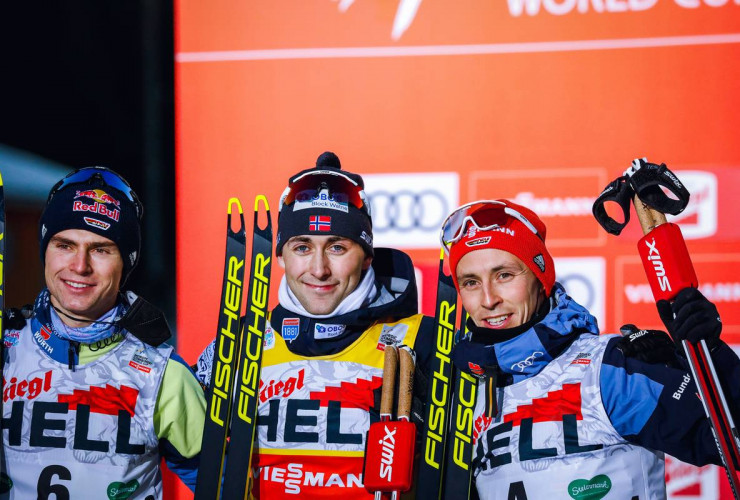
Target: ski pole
{"x": 389, "y": 455}
{"x": 667, "y": 262}
{"x": 669, "y": 270}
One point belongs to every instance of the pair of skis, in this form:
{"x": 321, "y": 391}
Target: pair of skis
{"x": 445, "y": 470}
{"x": 233, "y": 392}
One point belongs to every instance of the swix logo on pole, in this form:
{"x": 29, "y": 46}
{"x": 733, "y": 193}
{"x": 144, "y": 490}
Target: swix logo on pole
{"x": 666, "y": 261}
{"x": 654, "y": 258}
{"x": 388, "y": 445}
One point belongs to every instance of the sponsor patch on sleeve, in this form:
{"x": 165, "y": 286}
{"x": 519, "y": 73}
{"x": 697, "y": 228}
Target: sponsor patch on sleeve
{"x": 290, "y": 328}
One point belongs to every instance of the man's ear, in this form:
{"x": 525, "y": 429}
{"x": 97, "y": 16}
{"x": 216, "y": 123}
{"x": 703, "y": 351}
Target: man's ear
{"x": 281, "y": 261}
{"x": 367, "y": 263}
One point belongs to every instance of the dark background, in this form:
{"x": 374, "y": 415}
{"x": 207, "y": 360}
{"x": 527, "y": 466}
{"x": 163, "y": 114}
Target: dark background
{"x": 91, "y": 83}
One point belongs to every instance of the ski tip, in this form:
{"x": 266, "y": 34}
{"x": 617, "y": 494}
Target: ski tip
{"x": 441, "y": 254}
{"x": 263, "y": 199}
{"x": 235, "y": 201}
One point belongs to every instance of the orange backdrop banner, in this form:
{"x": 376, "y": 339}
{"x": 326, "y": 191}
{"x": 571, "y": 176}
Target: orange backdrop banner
{"x": 440, "y": 103}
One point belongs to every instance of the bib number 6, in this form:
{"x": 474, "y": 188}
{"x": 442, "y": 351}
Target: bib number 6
{"x": 45, "y": 489}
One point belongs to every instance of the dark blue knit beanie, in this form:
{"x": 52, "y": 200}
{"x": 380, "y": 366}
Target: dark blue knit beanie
{"x": 102, "y": 203}
{"x": 324, "y": 217}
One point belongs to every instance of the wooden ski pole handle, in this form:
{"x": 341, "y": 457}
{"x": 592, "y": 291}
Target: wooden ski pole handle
{"x": 406, "y": 381}
{"x": 649, "y": 217}
{"x": 390, "y": 367}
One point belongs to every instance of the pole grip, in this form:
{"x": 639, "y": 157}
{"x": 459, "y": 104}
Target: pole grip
{"x": 405, "y": 381}
{"x": 649, "y": 217}
{"x": 390, "y": 367}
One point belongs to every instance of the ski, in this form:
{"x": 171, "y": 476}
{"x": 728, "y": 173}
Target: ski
{"x": 4, "y": 479}
{"x": 220, "y": 387}
{"x": 434, "y": 437}
{"x": 246, "y": 395}
{"x": 458, "y": 467}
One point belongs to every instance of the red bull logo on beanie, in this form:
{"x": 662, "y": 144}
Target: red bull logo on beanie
{"x": 101, "y": 200}
{"x": 98, "y": 195}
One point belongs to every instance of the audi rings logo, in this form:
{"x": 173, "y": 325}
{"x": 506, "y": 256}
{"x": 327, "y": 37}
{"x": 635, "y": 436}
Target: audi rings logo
{"x": 408, "y": 209}
{"x": 521, "y": 365}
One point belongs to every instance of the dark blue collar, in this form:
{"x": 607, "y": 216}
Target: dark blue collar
{"x": 57, "y": 348}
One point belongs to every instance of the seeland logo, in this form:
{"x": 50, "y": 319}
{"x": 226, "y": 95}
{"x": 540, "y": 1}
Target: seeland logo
{"x": 121, "y": 491}
{"x": 594, "y": 489}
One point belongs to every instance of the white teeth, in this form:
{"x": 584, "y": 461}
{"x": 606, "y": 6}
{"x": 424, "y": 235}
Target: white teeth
{"x": 76, "y": 285}
{"x": 497, "y": 321}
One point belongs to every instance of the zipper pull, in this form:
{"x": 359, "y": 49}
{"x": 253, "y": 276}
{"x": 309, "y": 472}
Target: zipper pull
{"x": 491, "y": 402}
{"x": 71, "y": 351}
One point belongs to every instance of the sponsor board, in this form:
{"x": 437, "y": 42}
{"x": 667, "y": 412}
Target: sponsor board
{"x": 699, "y": 219}
{"x": 308, "y": 476}
{"x": 688, "y": 482}
{"x": 634, "y": 301}
{"x": 408, "y": 209}
{"x": 562, "y": 198}
{"x": 348, "y": 23}
{"x": 584, "y": 280}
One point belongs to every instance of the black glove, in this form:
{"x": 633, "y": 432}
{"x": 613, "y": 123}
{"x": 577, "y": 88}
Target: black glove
{"x": 15, "y": 319}
{"x": 648, "y": 346}
{"x": 476, "y": 359}
{"x": 691, "y": 316}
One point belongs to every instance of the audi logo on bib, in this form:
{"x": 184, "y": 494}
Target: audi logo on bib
{"x": 408, "y": 209}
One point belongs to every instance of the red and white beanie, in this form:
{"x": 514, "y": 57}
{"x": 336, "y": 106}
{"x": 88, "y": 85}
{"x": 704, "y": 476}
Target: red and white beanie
{"x": 511, "y": 235}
